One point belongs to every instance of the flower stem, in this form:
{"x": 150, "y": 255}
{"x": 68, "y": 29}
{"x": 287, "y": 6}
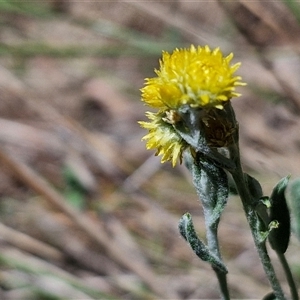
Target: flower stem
{"x": 238, "y": 177}
{"x": 289, "y": 276}
{"x": 213, "y": 245}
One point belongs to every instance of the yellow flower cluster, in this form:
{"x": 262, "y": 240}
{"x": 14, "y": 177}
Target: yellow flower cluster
{"x": 198, "y": 77}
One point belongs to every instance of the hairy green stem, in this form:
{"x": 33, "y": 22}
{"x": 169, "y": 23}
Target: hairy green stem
{"x": 238, "y": 177}
{"x": 213, "y": 245}
{"x": 289, "y": 276}
{"x": 212, "y": 187}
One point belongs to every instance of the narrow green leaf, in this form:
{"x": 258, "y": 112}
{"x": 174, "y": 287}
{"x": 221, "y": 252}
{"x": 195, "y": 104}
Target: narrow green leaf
{"x": 279, "y": 237}
{"x": 75, "y": 192}
{"x": 186, "y": 229}
{"x": 270, "y": 296}
{"x": 293, "y": 197}
{"x": 254, "y": 187}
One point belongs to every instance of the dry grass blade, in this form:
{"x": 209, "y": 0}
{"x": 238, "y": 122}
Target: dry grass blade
{"x": 46, "y": 272}
{"x": 101, "y": 149}
{"x": 141, "y": 175}
{"x": 91, "y": 228}
{"x": 29, "y": 244}
{"x": 55, "y": 229}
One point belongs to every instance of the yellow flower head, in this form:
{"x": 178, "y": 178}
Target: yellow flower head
{"x": 164, "y": 138}
{"x": 198, "y": 76}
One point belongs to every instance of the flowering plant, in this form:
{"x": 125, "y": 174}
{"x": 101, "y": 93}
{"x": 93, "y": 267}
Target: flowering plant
{"x": 194, "y": 122}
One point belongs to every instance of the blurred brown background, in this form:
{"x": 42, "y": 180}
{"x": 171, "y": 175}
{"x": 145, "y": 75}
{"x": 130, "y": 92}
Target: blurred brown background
{"x": 85, "y": 211}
